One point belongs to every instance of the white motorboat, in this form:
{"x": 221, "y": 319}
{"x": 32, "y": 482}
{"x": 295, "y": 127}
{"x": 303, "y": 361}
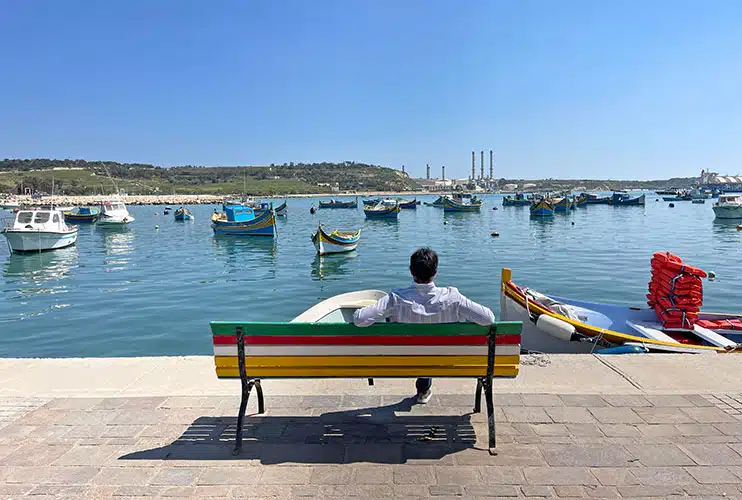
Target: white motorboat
{"x": 39, "y": 230}
{"x": 340, "y": 308}
{"x": 729, "y": 206}
{"x": 114, "y": 213}
{"x": 9, "y": 205}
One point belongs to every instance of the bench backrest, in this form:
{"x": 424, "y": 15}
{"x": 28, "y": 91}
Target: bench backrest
{"x": 303, "y": 350}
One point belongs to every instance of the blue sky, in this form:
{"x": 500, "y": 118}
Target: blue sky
{"x": 629, "y": 89}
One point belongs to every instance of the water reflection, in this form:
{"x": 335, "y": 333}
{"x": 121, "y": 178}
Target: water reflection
{"x": 722, "y": 226}
{"x": 331, "y": 267}
{"x": 40, "y": 267}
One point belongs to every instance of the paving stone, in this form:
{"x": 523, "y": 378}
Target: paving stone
{"x": 699, "y": 400}
{"x": 533, "y": 490}
{"x": 541, "y": 400}
{"x": 620, "y": 430}
{"x": 559, "y": 475}
{"x": 123, "y": 476}
{"x": 214, "y": 475}
{"x": 57, "y": 490}
{"x": 602, "y": 492}
{"x": 15, "y": 490}
{"x": 585, "y": 430}
{"x": 372, "y": 474}
{"x": 649, "y": 491}
{"x": 570, "y": 415}
{"x": 335, "y": 474}
{"x": 507, "y": 455}
{"x": 657, "y": 430}
{"x": 501, "y": 475}
{"x": 614, "y": 476}
{"x": 140, "y": 491}
{"x": 177, "y": 476}
{"x": 721, "y": 490}
{"x": 448, "y": 490}
{"x": 730, "y": 429}
{"x": 672, "y": 400}
{"x": 616, "y": 415}
{"x": 626, "y": 400}
{"x": 51, "y": 475}
{"x": 709, "y": 415}
{"x": 712, "y": 475}
{"x": 363, "y": 490}
{"x": 712, "y": 454}
{"x": 550, "y": 429}
{"x": 583, "y": 400}
{"x": 665, "y": 476}
{"x": 658, "y": 455}
{"x": 664, "y": 415}
{"x": 390, "y": 453}
{"x": 35, "y": 454}
{"x": 415, "y": 474}
{"x": 463, "y": 475}
{"x": 570, "y": 491}
{"x": 321, "y": 401}
{"x": 698, "y": 429}
{"x": 211, "y": 491}
{"x": 89, "y": 455}
{"x": 586, "y": 456}
{"x": 492, "y": 490}
{"x": 531, "y": 415}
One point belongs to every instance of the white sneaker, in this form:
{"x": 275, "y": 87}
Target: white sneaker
{"x": 424, "y": 397}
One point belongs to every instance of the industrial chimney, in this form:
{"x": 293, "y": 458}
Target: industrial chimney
{"x": 481, "y": 166}
{"x": 491, "y": 166}
{"x": 402, "y": 168}
{"x": 443, "y": 172}
{"x": 473, "y": 163}
{"x": 427, "y": 171}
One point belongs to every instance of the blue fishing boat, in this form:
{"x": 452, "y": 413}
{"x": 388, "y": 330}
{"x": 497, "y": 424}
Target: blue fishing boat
{"x": 384, "y": 209}
{"x": 542, "y": 208}
{"x": 82, "y": 214}
{"x": 437, "y": 203}
{"x": 240, "y": 220}
{"x": 408, "y": 205}
{"x": 282, "y": 209}
{"x": 594, "y": 199}
{"x": 183, "y": 214}
{"x": 339, "y": 204}
{"x": 561, "y": 204}
{"x": 581, "y": 201}
{"x": 458, "y": 204}
{"x": 372, "y": 201}
{"x": 624, "y": 200}
{"x": 519, "y": 200}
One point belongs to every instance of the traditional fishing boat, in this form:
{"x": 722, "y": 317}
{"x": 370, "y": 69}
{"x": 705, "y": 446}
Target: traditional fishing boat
{"x": 240, "y": 220}
{"x": 519, "y": 200}
{"x": 114, "y": 213}
{"x": 729, "y": 206}
{"x": 581, "y": 201}
{"x": 561, "y": 204}
{"x": 625, "y": 200}
{"x": 384, "y": 209}
{"x": 594, "y": 199}
{"x": 335, "y": 242}
{"x": 437, "y": 203}
{"x": 372, "y": 201}
{"x": 560, "y": 325}
{"x": 339, "y": 204}
{"x": 81, "y": 215}
{"x": 282, "y": 209}
{"x": 408, "y": 205}
{"x": 183, "y": 213}
{"x": 39, "y": 230}
{"x": 459, "y": 204}
{"x": 541, "y": 208}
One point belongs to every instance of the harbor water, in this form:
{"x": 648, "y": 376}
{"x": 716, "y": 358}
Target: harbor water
{"x": 142, "y": 290}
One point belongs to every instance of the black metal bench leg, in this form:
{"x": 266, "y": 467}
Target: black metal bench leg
{"x": 259, "y": 390}
{"x": 241, "y": 416}
{"x": 490, "y": 415}
{"x": 478, "y": 397}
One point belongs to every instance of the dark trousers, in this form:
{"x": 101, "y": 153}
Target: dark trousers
{"x": 423, "y": 385}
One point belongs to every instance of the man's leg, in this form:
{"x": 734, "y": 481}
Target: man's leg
{"x": 423, "y": 386}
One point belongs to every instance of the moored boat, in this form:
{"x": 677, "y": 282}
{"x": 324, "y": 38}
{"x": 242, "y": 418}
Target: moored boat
{"x": 384, "y": 209}
{"x": 240, "y": 220}
{"x": 408, "y": 205}
{"x": 339, "y": 204}
{"x": 183, "y": 213}
{"x": 82, "y": 214}
{"x": 519, "y": 200}
{"x": 459, "y": 204}
{"x": 437, "y": 203}
{"x": 561, "y": 204}
{"x": 541, "y": 208}
{"x": 335, "y": 242}
{"x": 39, "y": 230}
{"x": 282, "y": 209}
{"x": 594, "y": 199}
{"x": 625, "y": 200}
{"x": 372, "y": 201}
{"x": 729, "y": 206}
{"x": 559, "y": 325}
{"x": 114, "y": 213}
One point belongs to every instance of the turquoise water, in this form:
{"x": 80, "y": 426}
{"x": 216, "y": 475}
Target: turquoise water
{"x": 142, "y": 291}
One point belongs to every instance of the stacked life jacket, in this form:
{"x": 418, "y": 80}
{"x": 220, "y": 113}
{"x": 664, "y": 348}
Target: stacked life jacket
{"x": 675, "y": 291}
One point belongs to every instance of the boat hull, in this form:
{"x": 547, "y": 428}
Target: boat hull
{"x": 350, "y": 204}
{"x": 183, "y": 217}
{"x": 80, "y": 219}
{"x": 39, "y": 241}
{"x": 334, "y": 243}
{"x": 562, "y": 205}
{"x": 727, "y": 212}
{"x": 390, "y": 213}
{"x": 282, "y": 210}
{"x": 542, "y": 209}
{"x": 263, "y": 225}
{"x": 599, "y": 201}
{"x": 452, "y": 206}
{"x": 104, "y": 220}
{"x": 639, "y": 201}
{"x": 509, "y": 202}
{"x": 340, "y": 308}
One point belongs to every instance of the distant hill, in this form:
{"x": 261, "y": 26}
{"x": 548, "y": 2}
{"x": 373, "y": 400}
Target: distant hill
{"x": 601, "y": 184}
{"x": 89, "y": 177}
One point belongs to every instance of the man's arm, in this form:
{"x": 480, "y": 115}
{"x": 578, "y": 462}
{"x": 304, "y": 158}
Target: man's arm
{"x": 476, "y": 313}
{"x": 367, "y": 316}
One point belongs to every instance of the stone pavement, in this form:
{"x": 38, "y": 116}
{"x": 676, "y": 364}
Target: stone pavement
{"x": 373, "y": 446}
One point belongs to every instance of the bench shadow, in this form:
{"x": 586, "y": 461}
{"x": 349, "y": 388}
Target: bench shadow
{"x": 375, "y": 435}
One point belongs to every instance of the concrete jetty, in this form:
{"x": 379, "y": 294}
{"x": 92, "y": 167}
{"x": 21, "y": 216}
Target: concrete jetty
{"x": 634, "y": 426}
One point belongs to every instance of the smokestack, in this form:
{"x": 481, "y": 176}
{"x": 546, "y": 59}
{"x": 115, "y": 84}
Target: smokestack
{"x": 443, "y": 172}
{"x": 402, "y": 168}
{"x": 491, "y": 166}
{"x": 473, "y": 163}
{"x": 481, "y": 166}
{"x": 427, "y": 171}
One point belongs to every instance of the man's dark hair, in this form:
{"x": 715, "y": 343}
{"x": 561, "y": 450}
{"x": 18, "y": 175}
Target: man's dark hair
{"x": 424, "y": 264}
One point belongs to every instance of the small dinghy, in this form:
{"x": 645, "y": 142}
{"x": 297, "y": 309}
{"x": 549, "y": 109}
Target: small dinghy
{"x": 340, "y": 308}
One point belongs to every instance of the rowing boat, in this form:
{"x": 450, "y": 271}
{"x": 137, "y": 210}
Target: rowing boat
{"x": 339, "y": 204}
{"x": 335, "y": 242}
{"x": 459, "y": 205}
{"x": 384, "y": 209}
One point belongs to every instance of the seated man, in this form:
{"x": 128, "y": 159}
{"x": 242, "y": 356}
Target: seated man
{"x": 423, "y": 302}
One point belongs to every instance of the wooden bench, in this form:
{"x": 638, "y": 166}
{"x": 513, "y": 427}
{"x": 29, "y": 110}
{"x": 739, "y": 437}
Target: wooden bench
{"x": 255, "y": 351}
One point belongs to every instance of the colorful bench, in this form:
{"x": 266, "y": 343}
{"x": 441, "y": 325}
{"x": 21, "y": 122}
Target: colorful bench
{"x": 254, "y": 351}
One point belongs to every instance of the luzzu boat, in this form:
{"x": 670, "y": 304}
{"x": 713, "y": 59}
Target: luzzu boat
{"x": 542, "y": 208}
{"x": 408, "y": 205}
{"x": 519, "y": 200}
{"x": 240, "y": 220}
{"x": 339, "y": 204}
{"x": 561, "y": 204}
{"x": 594, "y": 199}
{"x": 624, "y": 200}
{"x": 558, "y": 325}
{"x": 437, "y": 203}
{"x": 384, "y": 209}
{"x": 335, "y": 242}
{"x": 459, "y": 205}
{"x": 183, "y": 214}
{"x": 82, "y": 214}
{"x": 282, "y": 210}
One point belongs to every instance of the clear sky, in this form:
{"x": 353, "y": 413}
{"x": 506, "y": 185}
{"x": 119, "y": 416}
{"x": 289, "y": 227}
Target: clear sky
{"x": 600, "y": 89}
